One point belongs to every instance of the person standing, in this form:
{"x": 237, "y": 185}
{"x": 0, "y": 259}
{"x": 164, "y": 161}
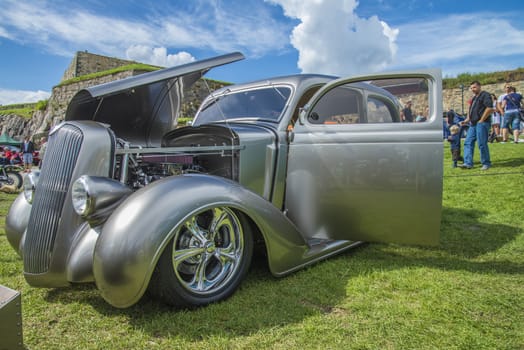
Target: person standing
{"x": 511, "y": 106}
{"x": 495, "y": 121}
{"x": 407, "y": 113}
{"x": 27, "y": 150}
{"x": 478, "y": 116}
{"x": 454, "y": 140}
{"x": 507, "y": 85}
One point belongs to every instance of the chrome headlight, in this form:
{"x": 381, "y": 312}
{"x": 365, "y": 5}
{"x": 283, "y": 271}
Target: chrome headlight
{"x": 30, "y": 181}
{"x": 95, "y": 197}
{"x": 82, "y": 199}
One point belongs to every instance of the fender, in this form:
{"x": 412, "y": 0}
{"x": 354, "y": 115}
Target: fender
{"x": 16, "y": 223}
{"x": 135, "y": 235}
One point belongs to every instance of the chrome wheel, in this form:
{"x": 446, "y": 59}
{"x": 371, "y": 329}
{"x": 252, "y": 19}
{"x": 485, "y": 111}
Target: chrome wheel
{"x": 208, "y": 250}
{"x": 207, "y": 258}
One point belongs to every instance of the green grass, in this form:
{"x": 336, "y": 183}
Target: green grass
{"x": 135, "y": 66}
{"x": 26, "y": 112}
{"x": 467, "y": 293}
{"x": 484, "y": 78}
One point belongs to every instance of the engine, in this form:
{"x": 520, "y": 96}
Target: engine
{"x": 144, "y": 169}
{"x": 137, "y": 167}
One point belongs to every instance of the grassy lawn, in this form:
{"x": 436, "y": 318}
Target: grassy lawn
{"x": 468, "y": 293}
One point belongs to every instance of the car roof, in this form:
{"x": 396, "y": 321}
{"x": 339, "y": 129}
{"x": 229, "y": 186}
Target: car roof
{"x": 294, "y": 79}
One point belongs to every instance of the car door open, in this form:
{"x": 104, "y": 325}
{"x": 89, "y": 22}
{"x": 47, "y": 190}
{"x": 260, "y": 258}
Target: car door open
{"x": 357, "y": 170}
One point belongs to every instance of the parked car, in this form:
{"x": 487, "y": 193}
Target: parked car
{"x": 303, "y": 167}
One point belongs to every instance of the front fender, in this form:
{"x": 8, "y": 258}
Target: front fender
{"x": 136, "y": 234}
{"x": 16, "y": 222}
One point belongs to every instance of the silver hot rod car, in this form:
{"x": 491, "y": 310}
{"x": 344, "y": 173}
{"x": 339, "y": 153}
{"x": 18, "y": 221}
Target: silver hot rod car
{"x": 303, "y": 166}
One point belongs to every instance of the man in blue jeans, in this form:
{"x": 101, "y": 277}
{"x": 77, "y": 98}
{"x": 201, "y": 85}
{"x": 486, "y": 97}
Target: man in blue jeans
{"x": 479, "y": 113}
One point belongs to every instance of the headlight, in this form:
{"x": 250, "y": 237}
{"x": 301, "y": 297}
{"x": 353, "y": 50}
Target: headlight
{"x": 30, "y": 181}
{"x": 82, "y": 199}
{"x": 95, "y": 197}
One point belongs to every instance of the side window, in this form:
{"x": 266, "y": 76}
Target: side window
{"x": 378, "y": 111}
{"x": 341, "y": 105}
{"x": 378, "y": 101}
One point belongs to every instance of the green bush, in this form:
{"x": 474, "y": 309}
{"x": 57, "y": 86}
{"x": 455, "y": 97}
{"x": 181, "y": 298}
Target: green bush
{"x": 138, "y": 66}
{"x": 41, "y": 105}
{"x": 26, "y": 113}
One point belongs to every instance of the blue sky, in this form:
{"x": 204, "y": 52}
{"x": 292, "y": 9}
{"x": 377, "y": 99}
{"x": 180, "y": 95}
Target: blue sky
{"x": 39, "y": 38}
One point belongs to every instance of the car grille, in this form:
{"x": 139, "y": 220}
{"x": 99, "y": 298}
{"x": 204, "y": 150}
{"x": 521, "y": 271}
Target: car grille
{"x": 57, "y": 170}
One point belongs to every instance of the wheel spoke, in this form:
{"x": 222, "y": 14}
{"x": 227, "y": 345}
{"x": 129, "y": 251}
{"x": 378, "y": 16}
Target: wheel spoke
{"x": 199, "y": 281}
{"x": 220, "y": 218}
{"x": 226, "y": 255}
{"x": 179, "y": 256}
{"x": 194, "y": 229}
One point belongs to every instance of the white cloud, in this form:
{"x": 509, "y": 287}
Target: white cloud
{"x": 4, "y": 33}
{"x": 8, "y": 97}
{"x": 460, "y": 41}
{"x": 157, "y": 56}
{"x": 332, "y": 39}
{"x": 246, "y": 26}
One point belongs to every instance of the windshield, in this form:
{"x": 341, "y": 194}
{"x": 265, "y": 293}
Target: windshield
{"x": 266, "y": 103}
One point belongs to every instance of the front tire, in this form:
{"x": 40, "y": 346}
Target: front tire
{"x": 206, "y": 260}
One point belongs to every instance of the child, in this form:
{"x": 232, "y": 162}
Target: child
{"x": 454, "y": 141}
{"x": 495, "y": 122}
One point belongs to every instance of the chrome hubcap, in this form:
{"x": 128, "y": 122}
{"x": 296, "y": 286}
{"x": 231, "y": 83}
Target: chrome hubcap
{"x": 207, "y": 250}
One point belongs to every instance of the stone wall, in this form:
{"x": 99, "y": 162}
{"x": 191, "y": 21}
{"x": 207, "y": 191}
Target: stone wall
{"x": 42, "y": 121}
{"x": 86, "y": 63}
{"x": 452, "y": 98}
{"x": 457, "y": 98}
{"x": 62, "y": 94}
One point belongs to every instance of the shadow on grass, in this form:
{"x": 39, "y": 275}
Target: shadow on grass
{"x": 512, "y": 162}
{"x": 464, "y": 235}
{"x": 265, "y": 302}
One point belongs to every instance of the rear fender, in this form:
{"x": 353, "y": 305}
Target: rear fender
{"x": 135, "y": 235}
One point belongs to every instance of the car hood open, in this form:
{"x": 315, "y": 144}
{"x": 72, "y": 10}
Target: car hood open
{"x": 142, "y": 108}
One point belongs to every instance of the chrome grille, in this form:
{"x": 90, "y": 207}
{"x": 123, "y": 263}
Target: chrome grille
{"x": 57, "y": 169}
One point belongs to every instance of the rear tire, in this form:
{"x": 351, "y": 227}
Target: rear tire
{"x": 206, "y": 260}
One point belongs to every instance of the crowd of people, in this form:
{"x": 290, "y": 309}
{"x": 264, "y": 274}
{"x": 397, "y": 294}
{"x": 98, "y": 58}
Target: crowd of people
{"x": 489, "y": 119}
{"x": 9, "y": 155}
{"x": 407, "y": 115}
